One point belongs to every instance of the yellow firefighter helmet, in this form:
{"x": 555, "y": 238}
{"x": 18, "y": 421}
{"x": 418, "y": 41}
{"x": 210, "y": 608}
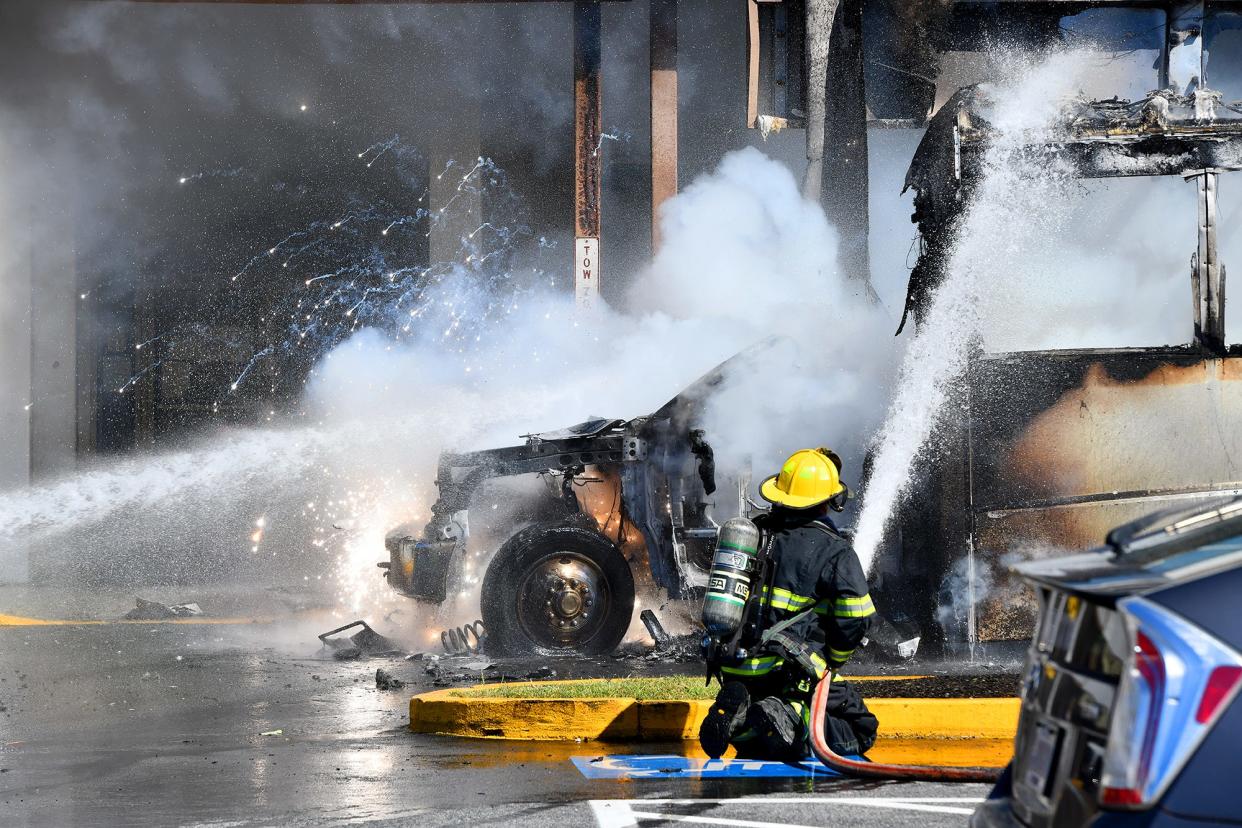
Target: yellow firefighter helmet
{"x": 810, "y": 477}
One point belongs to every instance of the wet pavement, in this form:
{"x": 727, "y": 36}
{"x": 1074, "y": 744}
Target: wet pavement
{"x": 247, "y": 724}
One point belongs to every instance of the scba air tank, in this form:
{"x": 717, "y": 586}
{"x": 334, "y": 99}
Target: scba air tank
{"x": 728, "y": 584}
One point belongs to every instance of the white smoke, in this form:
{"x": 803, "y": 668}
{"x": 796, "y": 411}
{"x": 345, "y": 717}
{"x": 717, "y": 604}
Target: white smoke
{"x": 745, "y": 258}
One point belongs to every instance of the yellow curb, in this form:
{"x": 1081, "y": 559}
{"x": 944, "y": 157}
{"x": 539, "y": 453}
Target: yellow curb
{"x": 947, "y": 718}
{"x": 524, "y": 719}
{"x": 969, "y": 753}
{"x": 19, "y": 621}
{"x": 448, "y": 713}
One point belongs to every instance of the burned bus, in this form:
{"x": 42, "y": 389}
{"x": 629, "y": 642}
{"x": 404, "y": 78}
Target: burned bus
{"x": 1054, "y": 447}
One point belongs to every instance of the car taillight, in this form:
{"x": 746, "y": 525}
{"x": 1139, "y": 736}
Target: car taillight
{"x": 1177, "y": 681}
{"x": 1220, "y": 685}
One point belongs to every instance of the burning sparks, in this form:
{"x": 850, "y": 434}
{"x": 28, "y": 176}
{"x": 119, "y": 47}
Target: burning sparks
{"x": 615, "y": 135}
{"x": 372, "y": 153}
{"x": 307, "y": 291}
{"x": 256, "y": 537}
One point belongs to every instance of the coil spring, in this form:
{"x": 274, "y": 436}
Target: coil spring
{"x": 457, "y": 640}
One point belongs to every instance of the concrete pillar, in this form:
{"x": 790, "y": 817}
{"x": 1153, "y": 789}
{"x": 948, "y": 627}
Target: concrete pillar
{"x": 15, "y": 352}
{"x": 53, "y": 339}
{"x": 844, "y": 191}
{"x": 38, "y": 331}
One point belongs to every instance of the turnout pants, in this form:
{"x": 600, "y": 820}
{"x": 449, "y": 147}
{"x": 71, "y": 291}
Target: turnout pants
{"x": 776, "y": 719}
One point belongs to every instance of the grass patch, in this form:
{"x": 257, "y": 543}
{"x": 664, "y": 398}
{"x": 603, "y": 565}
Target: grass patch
{"x": 661, "y": 687}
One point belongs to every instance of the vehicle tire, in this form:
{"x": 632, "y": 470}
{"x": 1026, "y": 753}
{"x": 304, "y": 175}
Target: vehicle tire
{"x": 559, "y": 589}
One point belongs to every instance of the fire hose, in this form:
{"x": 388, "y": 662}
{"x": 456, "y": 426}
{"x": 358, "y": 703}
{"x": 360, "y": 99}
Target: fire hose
{"x": 880, "y": 770}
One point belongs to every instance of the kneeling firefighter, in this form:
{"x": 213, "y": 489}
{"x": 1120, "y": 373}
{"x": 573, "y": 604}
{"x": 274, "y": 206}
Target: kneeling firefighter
{"x": 787, "y": 601}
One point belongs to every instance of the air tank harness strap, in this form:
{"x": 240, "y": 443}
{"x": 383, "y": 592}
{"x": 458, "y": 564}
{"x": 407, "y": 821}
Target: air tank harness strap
{"x": 800, "y": 651}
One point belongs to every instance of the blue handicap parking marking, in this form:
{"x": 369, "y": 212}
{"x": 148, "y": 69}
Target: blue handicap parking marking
{"x": 671, "y": 766}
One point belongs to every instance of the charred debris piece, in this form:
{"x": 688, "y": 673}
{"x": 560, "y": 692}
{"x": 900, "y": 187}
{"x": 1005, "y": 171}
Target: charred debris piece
{"x": 385, "y": 680}
{"x": 365, "y": 642}
{"x": 155, "y": 611}
{"x": 676, "y": 649}
{"x": 654, "y": 628}
{"x": 892, "y": 640}
{"x": 671, "y": 648}
{"x": 446, "y": 672}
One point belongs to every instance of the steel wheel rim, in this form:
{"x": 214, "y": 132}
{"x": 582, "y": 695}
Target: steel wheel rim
{"x": 562, "y": 600}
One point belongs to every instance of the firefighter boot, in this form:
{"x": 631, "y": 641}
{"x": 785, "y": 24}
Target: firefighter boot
{"x": 780, "y": 732}
{"x": 726, "y": 717}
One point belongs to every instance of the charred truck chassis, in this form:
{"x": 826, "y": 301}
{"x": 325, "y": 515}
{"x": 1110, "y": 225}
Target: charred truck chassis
{"x": 566, "y": 583}
{"x": 1058, "y": 446}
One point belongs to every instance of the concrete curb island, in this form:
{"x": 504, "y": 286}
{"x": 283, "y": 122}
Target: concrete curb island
{"x": 454, "y": 712}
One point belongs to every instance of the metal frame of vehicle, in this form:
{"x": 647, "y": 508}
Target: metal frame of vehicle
{"x": 661, "y": 464}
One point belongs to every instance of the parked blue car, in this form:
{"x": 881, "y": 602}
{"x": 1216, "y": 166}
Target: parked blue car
{"x": 1130, "y": 696}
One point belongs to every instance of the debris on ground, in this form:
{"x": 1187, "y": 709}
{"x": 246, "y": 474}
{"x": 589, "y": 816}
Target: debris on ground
{"x": 984, "y": 686}
{"x": 892, "y": 640}
{"x": 446, "y": 672}
{"x": 477, "y": 665}
{"x": 365, "y": 642}
{"x": 278, "y": 732}
{"x": 347, "y": 654}
{"x": 155, "y": 611}
{"x": 541, "y": 673}
{"x": 677, "y": 649}
{"x": 387, "y": 681}
{"x": 654, "y": 628}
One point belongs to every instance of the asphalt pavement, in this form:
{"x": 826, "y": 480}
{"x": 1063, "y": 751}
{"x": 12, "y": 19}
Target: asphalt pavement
{"x": 242, "y": 724}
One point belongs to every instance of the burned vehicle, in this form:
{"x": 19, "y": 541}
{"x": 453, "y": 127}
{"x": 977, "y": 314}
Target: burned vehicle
{"x": 1055, "y": 446}
{"x": 629, "y": 501}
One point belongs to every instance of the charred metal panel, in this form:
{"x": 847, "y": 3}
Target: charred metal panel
{"x": 1136, "y": 151}
{"x": 663, "y": 37}
{"x": 1160, "y": 135}
{"x": 1063, "y": 446}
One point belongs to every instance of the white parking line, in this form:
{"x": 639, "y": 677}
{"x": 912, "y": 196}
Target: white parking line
{"x": 613, "y": 813}
{"x": 702, "y": 820}
{"x": 621, "y": 813}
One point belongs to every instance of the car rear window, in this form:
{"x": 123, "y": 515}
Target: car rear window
{"x": 1185, "y": 563}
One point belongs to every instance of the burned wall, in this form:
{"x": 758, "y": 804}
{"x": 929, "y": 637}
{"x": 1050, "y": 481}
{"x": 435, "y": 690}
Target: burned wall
{"x": 1063, "y": 446}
